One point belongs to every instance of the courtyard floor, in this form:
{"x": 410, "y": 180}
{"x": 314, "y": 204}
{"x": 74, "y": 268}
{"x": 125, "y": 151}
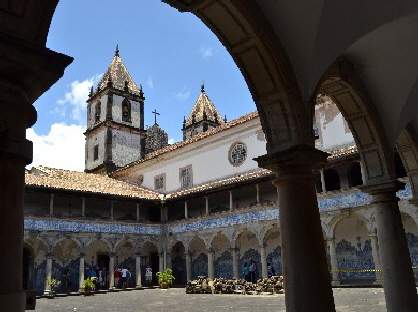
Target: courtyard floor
{"x": 176, "y": 300}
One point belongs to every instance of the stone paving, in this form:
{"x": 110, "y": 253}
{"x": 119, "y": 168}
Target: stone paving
{"x": 175, "y": 300}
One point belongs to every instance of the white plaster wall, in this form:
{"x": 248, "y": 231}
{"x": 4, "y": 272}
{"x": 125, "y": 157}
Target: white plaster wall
{"x": 117, "y": 111}
{"x": 126, "y": 147}
{"x": 99, "y": 139}
{"x": 351, "y": 229}
{"x": 332, "y": 128}
{"x": 209, "y": 158}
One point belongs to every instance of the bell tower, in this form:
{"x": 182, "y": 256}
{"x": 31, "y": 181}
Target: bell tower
{"x": 115, "y": 134}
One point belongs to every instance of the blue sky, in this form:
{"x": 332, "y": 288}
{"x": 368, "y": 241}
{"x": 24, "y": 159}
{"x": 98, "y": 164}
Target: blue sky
{"x": 166, "y": 51}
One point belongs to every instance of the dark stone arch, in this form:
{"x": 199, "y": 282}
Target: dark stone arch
{"x": 346, "y": 90}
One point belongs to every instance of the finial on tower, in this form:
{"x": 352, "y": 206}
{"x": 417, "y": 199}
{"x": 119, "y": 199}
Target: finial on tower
{"x": 91, "y": 92}
{"x": 117, "y": 50}
{"x": 202, "y": 87}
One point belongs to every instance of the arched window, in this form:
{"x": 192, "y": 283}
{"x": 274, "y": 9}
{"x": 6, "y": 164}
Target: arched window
{"x": 98, "y": 111}
{"x": 126, "y": 111}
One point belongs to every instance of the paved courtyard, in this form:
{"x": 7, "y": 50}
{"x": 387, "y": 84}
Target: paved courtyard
{"x": 347, "y": 300}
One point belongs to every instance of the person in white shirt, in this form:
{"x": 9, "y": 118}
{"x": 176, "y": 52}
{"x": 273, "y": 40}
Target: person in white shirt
{"x": 124, "y": 277}
{"x": 148, "y": 275}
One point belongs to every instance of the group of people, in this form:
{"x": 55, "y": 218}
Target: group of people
{"x": 250, "y": 271}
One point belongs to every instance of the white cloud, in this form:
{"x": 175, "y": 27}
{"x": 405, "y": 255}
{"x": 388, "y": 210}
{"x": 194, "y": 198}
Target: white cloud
{"x": 181, "y": 96}
{"x": 150, "y": 83}
{"x": 62, "y": 147}
{"x": 172, "y": 141}
{"x": 206, "y": 51}
{"x": 78, "y": 96}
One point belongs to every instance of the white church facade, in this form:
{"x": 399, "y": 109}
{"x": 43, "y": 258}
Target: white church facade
{"x": 201, "y": 206}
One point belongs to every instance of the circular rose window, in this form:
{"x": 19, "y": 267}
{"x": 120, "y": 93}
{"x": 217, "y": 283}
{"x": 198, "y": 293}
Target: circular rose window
{"x": 238, "y": 154}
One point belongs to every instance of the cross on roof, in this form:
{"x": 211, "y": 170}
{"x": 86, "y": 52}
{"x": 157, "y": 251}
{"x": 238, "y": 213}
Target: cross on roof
{"x": 155, "y": 116}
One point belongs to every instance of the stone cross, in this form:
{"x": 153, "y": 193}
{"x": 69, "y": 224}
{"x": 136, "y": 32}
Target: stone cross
{"x": 155, "y": 116}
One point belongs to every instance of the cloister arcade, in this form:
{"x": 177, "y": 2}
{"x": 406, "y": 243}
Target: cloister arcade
{"x": 287, "y": 52}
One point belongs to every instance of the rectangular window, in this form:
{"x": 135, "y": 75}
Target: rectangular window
{"x": 96, "y": 152}
{"x": 159, "y": 181}
{"x": 315, "y": 130}
{"x": 186, "y": 177}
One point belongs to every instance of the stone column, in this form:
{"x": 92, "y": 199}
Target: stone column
{"x": 111, "y": 209}
{"x": 161, "y": 262}
{"x": 27, "y": 69}
{"x": 186, "y": 212}
{"x": 263, "y": 262}
{"x": 398, "y": 277}
{"x": 137, "y": 211}
{"x": 211, "y": 273}
{"x": 48, "y": 275}
{"x": 51, "y": 205}
{"x": 376, "y": 258}
{"x": 111, "y": 270}
{"x": 334, "y": 262}
{"x": 207, "y": 204}
{"x": 138, "y": 271}
{"x": 168, "y": 260}
{"x": 81, "y": 271}
{"x": 257, "y": 187}
{"x": 307, "y": 289}
{"x": 321, "y": 172}
{"x": 188, "y": 266}
{"x": 83, "y": 207}
{"x": 231, "y": 201}
{"x": 363, "y": 172}
{"x": 235, "y": 262}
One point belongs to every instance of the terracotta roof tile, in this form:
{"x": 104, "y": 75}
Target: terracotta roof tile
{"x": 85, "y": 182}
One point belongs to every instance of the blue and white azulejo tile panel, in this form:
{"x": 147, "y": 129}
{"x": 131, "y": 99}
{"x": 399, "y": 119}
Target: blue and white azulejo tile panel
{"x": 229, "y": 220}
{"x": 90, "y": 226}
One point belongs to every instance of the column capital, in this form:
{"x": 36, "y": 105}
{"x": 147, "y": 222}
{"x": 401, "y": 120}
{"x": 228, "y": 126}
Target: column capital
{"x": 330, "y": 239}
{"x": 373, "y": 234}
{"x": 300, "y": 158}
{"x": 384, "y": 191}
{"x": 82, "y": 255}
{"x": 112, "y": 254}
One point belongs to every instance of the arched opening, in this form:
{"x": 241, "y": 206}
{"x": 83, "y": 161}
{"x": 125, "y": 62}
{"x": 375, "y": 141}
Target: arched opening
{"x": 273, "y": 251}
{"x": 125, "y": 252}
{"x": 98, "y": 112}
{"x": 178, "y": 263}
{"x": 126, "y": 110}
{"x": 411, "y": 231}
{"x": 332, "y": 180}
{"x": 222, "y": 256}
{"x": 65, "y": 264}
{"x": 149, "y": 259}
{"x": 354, "y": 252}
{"x": 248, "y": 252}
{"x": 354, "y": 175}
{"x": 199, "y": 257}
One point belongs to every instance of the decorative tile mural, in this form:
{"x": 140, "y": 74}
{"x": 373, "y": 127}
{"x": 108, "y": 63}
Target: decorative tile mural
{"x": 275, "y": 258}
{"x": 229, "y": 220}
{"x": 358, "y": 257}
{"x": 178, "y": 264}
{"x": 413, "y": 251}
{"x": 250, "y": 254}
{"x": 90, "y": 226}
{"x": 200, "y": 266}
{"x": 223, "y": 265}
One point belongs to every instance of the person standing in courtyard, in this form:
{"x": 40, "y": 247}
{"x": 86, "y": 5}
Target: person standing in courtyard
{"x": 116, "y": 277}
{"x": 148, "y": 275}
{"x": 246, "y": 272}
{"x": 252, "y": 270}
